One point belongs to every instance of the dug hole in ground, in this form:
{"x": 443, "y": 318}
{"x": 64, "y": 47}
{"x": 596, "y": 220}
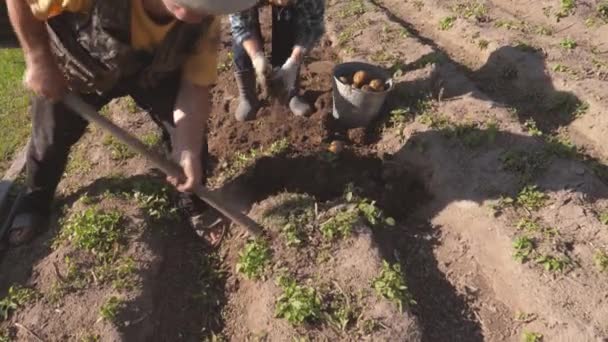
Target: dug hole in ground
{"x": 473, "y": 209}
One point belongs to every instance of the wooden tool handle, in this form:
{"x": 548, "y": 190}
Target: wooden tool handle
{"x": 168, "y": 167}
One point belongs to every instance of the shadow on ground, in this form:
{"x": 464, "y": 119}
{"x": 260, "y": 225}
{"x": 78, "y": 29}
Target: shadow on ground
{"x": 514, "y": 77}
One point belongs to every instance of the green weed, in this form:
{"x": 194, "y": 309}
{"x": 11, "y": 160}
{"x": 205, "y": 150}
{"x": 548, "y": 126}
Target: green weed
{"x": 14, "y": 101}
{"x": 483, "y": 44}
{"x": 531, "y": 198}
{"x": 227, "y": 63}
{"x": 78, "y": 162}
{"x": 544, "y": 31}
{"x": 560, "y": 147}
{"x": 527, "y": 47}
{"x": 532, "y": 128}
{"x": 121, "y": 273}
{"x": 567, "y": 7}
{"x": 476, "y": 10}
{"x": 118, "y": 150}
{"x": 526, "y": 164}
{"x": 604, "y": 217}
{"x": 156, "y": 204}
{"x": 151, "y": 139}
{"x": 512, "y": 25}
{"x": 602, "y": 11}
{"x": 524, "y": 246}
{"x": 90, "y": 337}
{"x": 601, "y": 260}
{"x": 355, "y": 8}
{"x": 529, "y": 225}
{"x": 297, "y": 304}
{"x": 340, "y": 225}
{"x": 472, "y": 135}
{"x": 418, "y": 4}
{"x": 241, "y": 160}
{"x": 292, "y": 234}
{"x": 568, "y": 43}
{"x": 447, "y": 23}
{"x": 372, "y": 214}
{"x": 16, "y": 298}
{"x": 531, "y": 337}
{"x": 342, "y": 311}
{"x": 400, "y": 116}
{"x": 561, "y": 68}
{"x": 253, "y": 259}
{"x": 4, "y": 336}
{"x": 551, "y": 263}
{"x": 110, "y": 308}
{"x": 95, "y": 231}
{"x": 390, "y": 284}
{"x": 525, "y": 317}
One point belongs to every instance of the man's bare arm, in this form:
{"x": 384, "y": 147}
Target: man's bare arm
{"x": 31, "y": 32}
{"x": 43, "y": 75}
{"x": 192, "y": 109}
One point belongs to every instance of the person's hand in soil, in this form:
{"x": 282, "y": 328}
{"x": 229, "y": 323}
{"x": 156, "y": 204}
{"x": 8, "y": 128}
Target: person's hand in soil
{"x": 262, "y": 67}
{"x": 288, "y": 73}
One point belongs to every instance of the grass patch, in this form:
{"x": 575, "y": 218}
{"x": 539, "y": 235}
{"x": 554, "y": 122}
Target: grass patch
{"x": 298, "y": 303}
{"x": 447, "y": 23}
{"x": 523, "y": 247}
{"x": 343, "y": 310}
{"x": 78, "y": 162}
{"x": 339, "y": 225}
{"x": 528, "y": 336}
{"x": 483, "y": 44}
{"x": 241, "y": 160}
{"x": 16, "y": 298}
{"x": 151, "y": 139}
{"x": 120, "y": 273}
{"x": 110, "y": 308}
{"x": 603, "y": 217}
{"x": 355, "y": 8}
{"x": 561, "y": 147}
{"x": 390, "y": 284}
{"x": 95, "y": 231}
{"x": 552, "y": 263}
{"x": 227, "y": 63}
{"x": 532, "y": 128}
{"x": 253, "y": 259}
{"x": 118, "y": 150}
{"x": 602, "y": 11}
{"x": 568, "y": 44}
{"x": 14, "y": 101}
{"x": 475, "y": 10}
{"x": 527, "y": 165}
{"x": 601, "y": 260}
{"x": 531, "y": 198}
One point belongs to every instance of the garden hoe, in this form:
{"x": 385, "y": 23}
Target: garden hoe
{"x": 168, "y": 167}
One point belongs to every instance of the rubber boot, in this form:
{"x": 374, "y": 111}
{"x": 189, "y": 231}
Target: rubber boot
{"x": 248, "y": 99}
{"x": 297, "y": 105}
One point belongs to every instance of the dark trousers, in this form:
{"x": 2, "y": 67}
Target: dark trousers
{"x": 283, "y": 39}
{"x": 55, "y": 129}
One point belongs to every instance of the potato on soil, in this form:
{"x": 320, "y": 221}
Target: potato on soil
{"x": 336, "y": 146}
{"x": 360, "y": 78}
{"x": 377, "y": 85}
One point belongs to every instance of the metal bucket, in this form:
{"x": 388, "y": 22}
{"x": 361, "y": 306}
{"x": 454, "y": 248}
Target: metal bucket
{"x": 355, "y": 107}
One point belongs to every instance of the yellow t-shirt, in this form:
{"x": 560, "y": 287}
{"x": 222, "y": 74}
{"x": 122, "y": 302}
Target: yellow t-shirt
{"x": 146, "y": 34}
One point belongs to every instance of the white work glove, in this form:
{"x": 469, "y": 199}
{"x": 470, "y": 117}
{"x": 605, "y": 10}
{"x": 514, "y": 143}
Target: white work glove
{"x": 261, "y": 66}
{"x": 288, "y": 73}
